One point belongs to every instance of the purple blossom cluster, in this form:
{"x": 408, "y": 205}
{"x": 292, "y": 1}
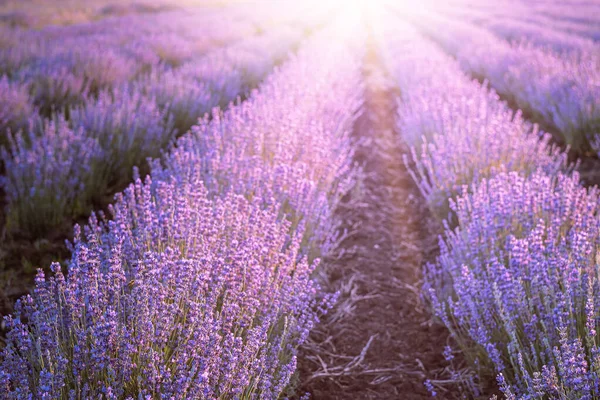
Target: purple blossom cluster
{"x": 199, "y": 285}
{"x": 561, "y": 89}
{"x": 458, "y": 130}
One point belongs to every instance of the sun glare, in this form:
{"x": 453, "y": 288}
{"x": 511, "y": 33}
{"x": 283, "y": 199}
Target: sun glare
{"x": 354, "y": 11}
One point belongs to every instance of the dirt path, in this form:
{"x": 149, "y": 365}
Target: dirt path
{"x": 380, "y": 341}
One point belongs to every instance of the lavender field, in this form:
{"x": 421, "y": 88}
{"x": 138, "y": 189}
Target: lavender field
{"x": 326, "y": 199}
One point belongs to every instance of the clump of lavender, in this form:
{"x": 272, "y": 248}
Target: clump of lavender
{"x": 18, "y": 48}
{"x": 179, "y": 296}
{"x": 517, "y": 283}
{"x": 128, "y": 126}
{"x": 185, "y": 100}
{"x": 470, "y": 136}
{"x": 15, "y": 108}
{"x": 49, "y": 176}
{"x": 68, "y": 70}
{"x": 102, "y": 67}
{"x": 172, "y": 49}
{"x": 57, "y": 170}
{"x": 54, "y": 88}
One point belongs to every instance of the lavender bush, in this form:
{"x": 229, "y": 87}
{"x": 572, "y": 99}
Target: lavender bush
{"x": 180, "y": 296}
{"x": 50, "y": 176}
{"x": 73, "y": 70}
{"x": 517, "y": 283}
{"x": 129, "y": 127}
{"x": 18, "y": 48}
{"x": 15, "y": 108}
{"x": 55, "y": 89}
{"x": 95, "y": 150}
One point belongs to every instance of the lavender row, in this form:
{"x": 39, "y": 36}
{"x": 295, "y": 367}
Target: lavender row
{"x": 458, "y": 130}
{"x": 518, "y": 24}
{"x": 527, "y": 21}
{"x": 562, "y": 90}
{"x": 39, "y": 13}
{"x": 135, "y": 38}
{"x": 49, "y": 179}
{"x": 170, "y": 37}
{"x": 279, "y": 140}
{"x": 516, "y": 282}
{"x": 199, "y": 286}
{"x": 540, "y": 35}
{"x": 587, "y": 13}
{"x": 61, "y": 67}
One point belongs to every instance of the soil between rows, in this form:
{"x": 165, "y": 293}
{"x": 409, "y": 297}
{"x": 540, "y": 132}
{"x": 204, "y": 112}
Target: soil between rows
{"x": 380, "y": 340}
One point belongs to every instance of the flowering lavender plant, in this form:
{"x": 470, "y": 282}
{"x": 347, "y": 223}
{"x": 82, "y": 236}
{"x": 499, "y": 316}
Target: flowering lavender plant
{"x": 517, "y": 283}
{"x": 56, "y": 170}
{"x": 179, "y": 296}
{"x": 50, "y": 175}
{"x": 15, "y": 108}
{"x": 129, "y": 127}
